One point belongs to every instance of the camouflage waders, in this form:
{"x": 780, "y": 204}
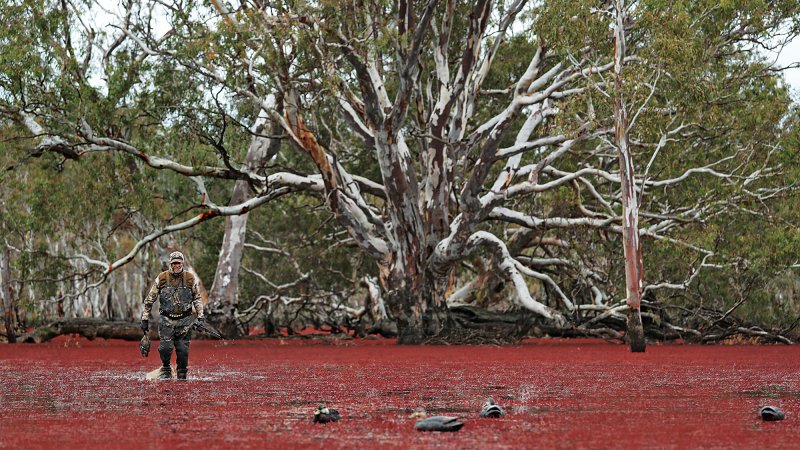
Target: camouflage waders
{"x": 174, "y": 334}
{"x": 174, "y": 329}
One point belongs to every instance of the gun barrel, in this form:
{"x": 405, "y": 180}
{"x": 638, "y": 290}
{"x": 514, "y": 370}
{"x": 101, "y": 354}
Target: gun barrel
{"x": 207, "y": 329}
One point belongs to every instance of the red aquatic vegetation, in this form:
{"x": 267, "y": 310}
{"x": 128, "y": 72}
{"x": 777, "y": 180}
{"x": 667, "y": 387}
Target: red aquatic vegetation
{"x": 74, "y": 393}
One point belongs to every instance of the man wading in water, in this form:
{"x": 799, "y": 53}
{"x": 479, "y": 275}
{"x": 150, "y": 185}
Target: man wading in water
{"x": 177, "y": 291}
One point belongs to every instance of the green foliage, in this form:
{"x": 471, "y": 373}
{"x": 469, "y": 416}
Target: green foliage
{"x": 694, "y": 67}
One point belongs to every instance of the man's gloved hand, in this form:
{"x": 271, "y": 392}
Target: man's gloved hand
{"x": 145, "y": 325}
{"x": 201, "y": 320}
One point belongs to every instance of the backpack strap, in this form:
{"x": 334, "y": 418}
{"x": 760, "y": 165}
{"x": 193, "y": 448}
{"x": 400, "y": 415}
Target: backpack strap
{"x": 187, "y": 279}
{"x": 162, "y": 280}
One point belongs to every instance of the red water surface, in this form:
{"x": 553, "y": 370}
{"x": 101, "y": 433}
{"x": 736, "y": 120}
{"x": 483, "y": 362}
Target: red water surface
{"x": 72, "y": 393}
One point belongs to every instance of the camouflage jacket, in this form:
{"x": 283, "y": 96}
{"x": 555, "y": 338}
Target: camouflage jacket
{"x": 163, "y": 280}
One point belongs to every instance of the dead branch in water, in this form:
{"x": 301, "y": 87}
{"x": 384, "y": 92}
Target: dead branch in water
{"x": 88, "y": 328}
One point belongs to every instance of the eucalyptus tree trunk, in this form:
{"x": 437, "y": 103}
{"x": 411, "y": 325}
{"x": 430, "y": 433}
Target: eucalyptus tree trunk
{"x": 418, "y": 248}
{"x": 630, "y": 208}
{"x": 223, "y": 296}
{"x": 420, "y": 314}
{"x": 224, "y": 293}
{"x": 416, "y": 296}
{"x": 7, "y": 294}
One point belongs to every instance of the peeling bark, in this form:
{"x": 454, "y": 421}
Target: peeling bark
{"x": 630, "y": 208}
{"x": 224, "y": 292}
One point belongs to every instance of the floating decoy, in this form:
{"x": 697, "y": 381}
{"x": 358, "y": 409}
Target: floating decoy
{"x": 435, "y": 423}
{"x": 491, "y": 409}
{"x": 323, "y": 414}
{"x": 771, "y": 413}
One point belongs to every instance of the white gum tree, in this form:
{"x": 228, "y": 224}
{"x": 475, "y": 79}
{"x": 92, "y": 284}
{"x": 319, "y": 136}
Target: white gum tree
{"x": 634, "y": 279}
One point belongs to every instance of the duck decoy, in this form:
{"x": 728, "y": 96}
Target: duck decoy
{"x": 323, "y": 414}
{"x": 771, "y": 413}
{"x": 435, "y": 423}
{"x": 144, "y": 346}
{"x": 491, "y": 409}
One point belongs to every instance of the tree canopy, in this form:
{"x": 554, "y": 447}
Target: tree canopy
{"x": 443, "y": 153}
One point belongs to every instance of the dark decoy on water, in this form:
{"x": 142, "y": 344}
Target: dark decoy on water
{"x": 435, "y": 423}
{"x": 491, "y": 409}
{"x": 771, "y": 413}
{"x": 323, "y": 414}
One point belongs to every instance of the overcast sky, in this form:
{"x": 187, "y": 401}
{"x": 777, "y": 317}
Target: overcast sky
{"x": 789, "y": 55}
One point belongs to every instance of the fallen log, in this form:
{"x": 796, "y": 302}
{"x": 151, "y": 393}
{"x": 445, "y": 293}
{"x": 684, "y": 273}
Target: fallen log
{"x": 88, "y": 328}
{"x": 479, "y": 326}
